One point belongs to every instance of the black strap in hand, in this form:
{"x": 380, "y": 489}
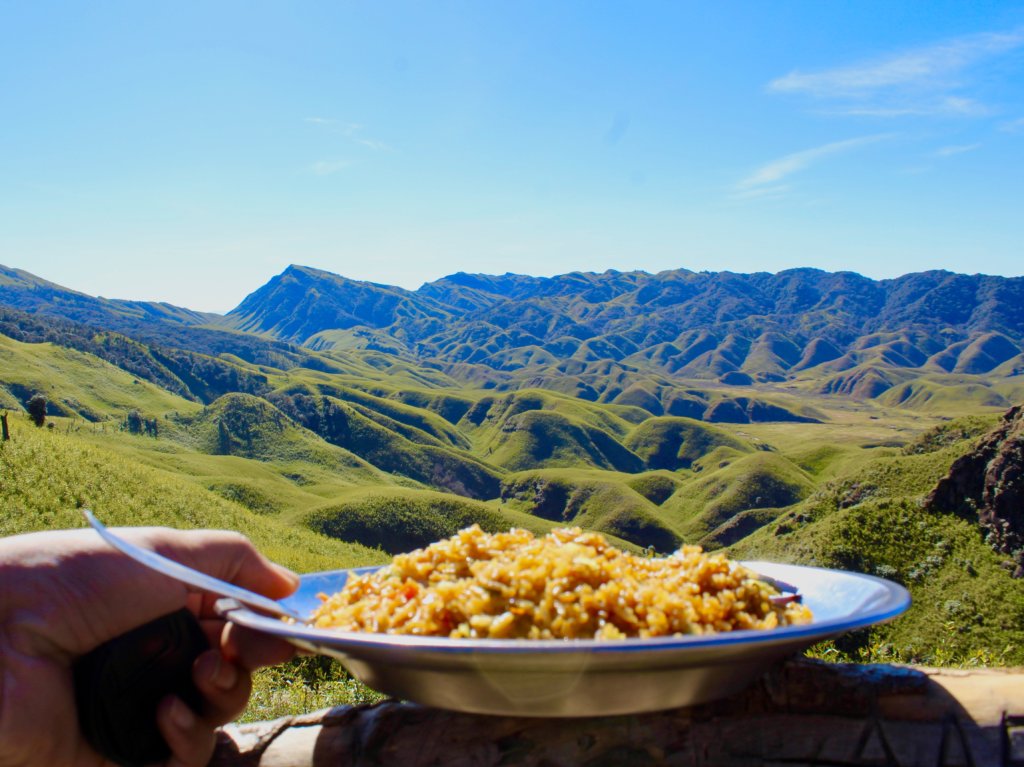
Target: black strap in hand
{"x": 119, "y": 684}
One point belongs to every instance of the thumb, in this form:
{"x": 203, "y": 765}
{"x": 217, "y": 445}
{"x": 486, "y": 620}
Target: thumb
{"x": 82, "y": 592}
{"x": 226, "y": 555}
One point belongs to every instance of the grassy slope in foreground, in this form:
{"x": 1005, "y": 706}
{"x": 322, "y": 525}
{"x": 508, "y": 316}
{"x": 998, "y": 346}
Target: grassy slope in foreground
{"x": 46, "y": 477}
{"x": 967, "y": 608}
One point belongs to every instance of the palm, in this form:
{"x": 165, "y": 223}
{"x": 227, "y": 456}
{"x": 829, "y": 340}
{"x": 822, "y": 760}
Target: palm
{"x": 45, "y": 721}
{"x": 65, "y": 593}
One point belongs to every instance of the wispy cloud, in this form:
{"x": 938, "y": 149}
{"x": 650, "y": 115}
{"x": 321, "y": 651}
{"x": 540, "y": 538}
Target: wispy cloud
{"x": 339, "y": 126}
{"x": 949, "y": 151}
{"x": 329, "y": 167}
{"x": 374, "y": 144}
{"x": 921, "y": 81}
{"x": 949, "y": 106}
{"x": 766, "y": 179}
{"x": 320, "y": 120}
{"x": 770, "y": 192}
{"x": 1013, "y": 126}
{"x": 349, "y": 130}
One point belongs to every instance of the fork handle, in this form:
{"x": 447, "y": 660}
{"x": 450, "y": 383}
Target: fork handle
{"x": 119, "y": 685}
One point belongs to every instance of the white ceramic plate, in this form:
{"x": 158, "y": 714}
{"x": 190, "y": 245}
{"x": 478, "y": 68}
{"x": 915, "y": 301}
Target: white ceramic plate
{"x": 521, "y": 677}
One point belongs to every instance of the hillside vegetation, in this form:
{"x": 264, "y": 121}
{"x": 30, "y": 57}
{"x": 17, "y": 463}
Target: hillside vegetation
{"x": 967, "y": 606}
{"x": 651, "y": 341}
{"x": 47, "y": 477}
{"x": 802, "y": 417}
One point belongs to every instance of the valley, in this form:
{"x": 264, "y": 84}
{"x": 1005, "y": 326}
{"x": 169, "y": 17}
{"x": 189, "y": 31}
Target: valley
{"x": 337, "y": 423}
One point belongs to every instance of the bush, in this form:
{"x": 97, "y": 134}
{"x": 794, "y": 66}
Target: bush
{"x": 37, "y": 409}
{"x": 134, "y": 422}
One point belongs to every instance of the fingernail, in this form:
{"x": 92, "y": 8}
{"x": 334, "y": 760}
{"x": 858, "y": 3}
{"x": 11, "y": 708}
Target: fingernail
{"x": 182, "y": 715}
{"x": 225, "y": 675}
{"x": 291, "y": 577}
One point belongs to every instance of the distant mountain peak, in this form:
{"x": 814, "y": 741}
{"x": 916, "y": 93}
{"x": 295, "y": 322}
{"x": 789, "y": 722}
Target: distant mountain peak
{"x": 766, "y": 325}
{"x": 725, "y": 326}
{"x": 22, "y": 290}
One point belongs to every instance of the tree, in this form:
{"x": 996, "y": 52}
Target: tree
{"x": 134, "y": 422}
{"x": 37, "y": 409}
{"x": 223, "y": 439}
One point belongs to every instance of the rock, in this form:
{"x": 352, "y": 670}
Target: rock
{"x": 801, "y": 713}
{"x": 987, "y": 486}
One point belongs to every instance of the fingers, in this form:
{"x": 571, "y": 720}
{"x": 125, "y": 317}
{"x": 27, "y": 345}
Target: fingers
{"x": 190, "y": 739}
{"x": 95, "y": 593}
{"x": 224, "y": 685}
{"x": 226, "y": 555}
{"x": 252, "y": 650}
{"x": 247, "y": 649}
{"x": 225, "y": 689}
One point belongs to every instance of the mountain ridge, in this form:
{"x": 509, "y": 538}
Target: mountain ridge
{"x": 837, "y": 332}
{"x": 719, "y": 326}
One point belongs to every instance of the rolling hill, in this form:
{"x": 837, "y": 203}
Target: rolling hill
{"x": 802, "y": 416}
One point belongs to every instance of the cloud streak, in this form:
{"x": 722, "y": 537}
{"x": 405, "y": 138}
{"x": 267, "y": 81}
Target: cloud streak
{"x": 950, "y": 151}
{"x": 938, "y": 106}
{"x": 1013, "y": 126}
{"x": 350, "y": 130}
{"x": 328, "y": 167}
{"x": 921, "y": 81}
{"x": 766, "y": 180}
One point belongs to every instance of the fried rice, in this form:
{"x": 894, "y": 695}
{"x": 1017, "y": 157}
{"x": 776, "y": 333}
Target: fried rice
{"x": 569, "y": 584}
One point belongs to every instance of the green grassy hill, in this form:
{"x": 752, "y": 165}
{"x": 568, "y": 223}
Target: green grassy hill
{"x": 251, "y": 427}
{"x": 343, "y": 455}
{"x": 77, "y": 383}
{"x": 967, "y": 608}
{"x": 542, "y": 438}
{"x": 675, "y": 443}
{"x": 47, "y": 477}
{"x": 402, "y": 519}
{"x": 736, "y": 484}
{"x": 597, "y": 500}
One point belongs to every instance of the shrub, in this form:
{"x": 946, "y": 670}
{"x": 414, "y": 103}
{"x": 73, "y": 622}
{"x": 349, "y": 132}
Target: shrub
{"x": 37, "y": 409}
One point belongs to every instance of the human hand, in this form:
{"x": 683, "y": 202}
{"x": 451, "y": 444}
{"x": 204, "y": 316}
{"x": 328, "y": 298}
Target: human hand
{"x": 62, "y": 594}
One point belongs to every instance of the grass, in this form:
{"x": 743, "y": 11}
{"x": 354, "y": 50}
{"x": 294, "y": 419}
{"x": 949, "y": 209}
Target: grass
{"x": 396, "y": 520}
{"x": 656, "y": 486}
{"x": 251, "y": 427}
{"x": 415, "y": 423}
{"x": 675, "y": 443}
{"x": 944, "y": 396}
{"x": 294, "y": 485}
{"x": 966, "y": 604}
{"x": 47, "y": 477}
{"x": 78, "y": 384}
{"x": 306, "y": 683}
{"x": 398, "y": 450}
{"x": 595, "y": 500}
{"x": 543, "y": 439}
{"x": 455, "y": 470}
{"x": 759, "y": 480}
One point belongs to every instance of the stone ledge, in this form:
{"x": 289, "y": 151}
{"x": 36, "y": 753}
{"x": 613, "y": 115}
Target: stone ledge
{"x": 802, "y": 712}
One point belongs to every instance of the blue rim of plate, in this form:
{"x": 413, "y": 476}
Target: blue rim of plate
{"x": 881, "y": 601}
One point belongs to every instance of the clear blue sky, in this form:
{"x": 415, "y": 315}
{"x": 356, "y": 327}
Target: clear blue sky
{"x": 188, "y": 151}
